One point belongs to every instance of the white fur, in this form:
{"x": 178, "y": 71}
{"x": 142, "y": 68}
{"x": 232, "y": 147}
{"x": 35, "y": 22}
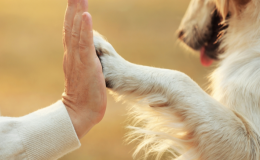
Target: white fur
{"x": 174, "y": 117}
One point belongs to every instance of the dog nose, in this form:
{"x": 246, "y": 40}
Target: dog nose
{"x": 180, "y": 34}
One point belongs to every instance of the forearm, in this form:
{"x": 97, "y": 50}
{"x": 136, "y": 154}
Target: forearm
{"x": 176, "y": 99}
{"x": 168, "y": 88}
{"x": 45, "y": 134}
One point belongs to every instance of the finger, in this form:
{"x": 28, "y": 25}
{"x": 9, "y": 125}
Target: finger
{"x": 84, "y": 5}
{"x": 75, "y": 34}
{"x": 68, "y": 22}
{"x": 86, "y": 44}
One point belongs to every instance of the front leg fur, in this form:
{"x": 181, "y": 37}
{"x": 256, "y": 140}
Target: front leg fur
{"x": 176, "y": 115}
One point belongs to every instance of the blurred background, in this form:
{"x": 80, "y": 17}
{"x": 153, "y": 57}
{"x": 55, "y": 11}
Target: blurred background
{"x": 31, "y": 51}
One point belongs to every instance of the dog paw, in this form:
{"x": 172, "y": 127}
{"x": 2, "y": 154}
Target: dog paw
{"x": 113, "y": 64}
{"x": 103, "y": 47}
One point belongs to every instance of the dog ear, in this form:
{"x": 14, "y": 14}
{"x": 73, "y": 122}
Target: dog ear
{"x": 234, "y": 6}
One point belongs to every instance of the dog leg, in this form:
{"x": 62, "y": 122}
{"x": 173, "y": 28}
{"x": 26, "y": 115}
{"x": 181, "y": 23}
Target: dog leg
{"x": 179, "y": 117}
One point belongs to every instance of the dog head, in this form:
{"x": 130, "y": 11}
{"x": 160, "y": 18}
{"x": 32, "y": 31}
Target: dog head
{"x": 203, "y": 25}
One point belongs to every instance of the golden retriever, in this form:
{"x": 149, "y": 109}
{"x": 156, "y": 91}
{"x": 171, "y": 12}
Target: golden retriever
{"x": 174, "y": 118}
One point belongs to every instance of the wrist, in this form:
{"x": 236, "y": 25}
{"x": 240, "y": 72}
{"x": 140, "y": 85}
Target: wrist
{"x": 81, "y": 123}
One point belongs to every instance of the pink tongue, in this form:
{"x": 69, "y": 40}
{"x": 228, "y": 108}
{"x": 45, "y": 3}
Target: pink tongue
{"x": 204, "y": 59}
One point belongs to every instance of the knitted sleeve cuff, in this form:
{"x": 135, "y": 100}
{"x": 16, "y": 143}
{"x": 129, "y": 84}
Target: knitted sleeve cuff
{"x": 48, "y": 134}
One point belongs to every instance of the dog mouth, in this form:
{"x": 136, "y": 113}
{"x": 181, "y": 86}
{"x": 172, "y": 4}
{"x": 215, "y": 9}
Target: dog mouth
{"x": 209, "y": 46}
{"x": 209, "y": 50}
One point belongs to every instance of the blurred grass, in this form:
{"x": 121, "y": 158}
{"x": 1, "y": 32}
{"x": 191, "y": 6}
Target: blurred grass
{"x": 142, "y": 31}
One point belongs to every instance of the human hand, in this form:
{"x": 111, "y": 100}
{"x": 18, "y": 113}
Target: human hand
{"x": 85, "y": 90}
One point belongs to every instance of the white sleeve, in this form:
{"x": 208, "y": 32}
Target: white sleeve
{"x": 46, "y": 134}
